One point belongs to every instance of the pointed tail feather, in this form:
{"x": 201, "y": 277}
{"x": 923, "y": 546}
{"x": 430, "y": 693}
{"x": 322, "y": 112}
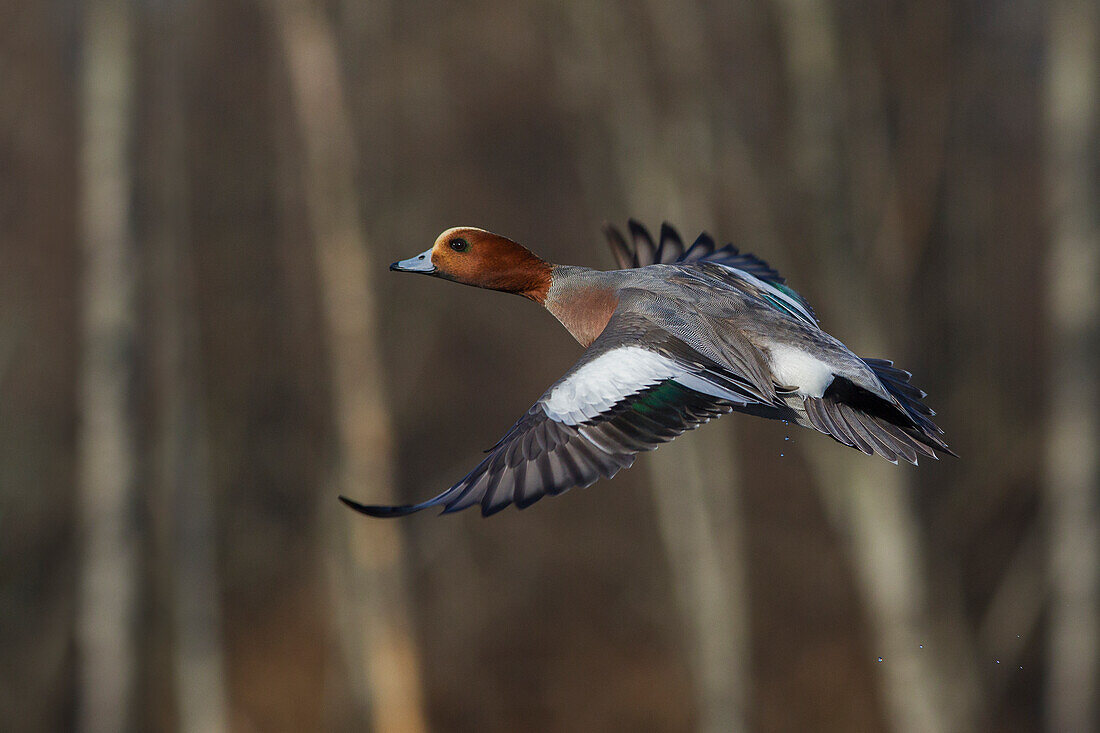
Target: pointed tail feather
{"x": 861, "y": 420}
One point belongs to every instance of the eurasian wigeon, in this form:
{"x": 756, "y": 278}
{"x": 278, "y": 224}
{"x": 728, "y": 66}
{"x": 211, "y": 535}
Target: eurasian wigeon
{"x": 673, "y": 339}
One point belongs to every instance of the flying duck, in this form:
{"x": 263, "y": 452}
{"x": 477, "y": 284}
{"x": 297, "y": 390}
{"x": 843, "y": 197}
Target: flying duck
{"x": 673, "y": 338}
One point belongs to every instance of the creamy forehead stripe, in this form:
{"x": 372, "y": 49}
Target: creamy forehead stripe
{"x": 454, "y": 230}
{"x": 605, "y": 381}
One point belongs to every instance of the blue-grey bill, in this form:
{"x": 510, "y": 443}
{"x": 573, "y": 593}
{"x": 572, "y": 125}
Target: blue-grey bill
{"x": 421, "y": 263}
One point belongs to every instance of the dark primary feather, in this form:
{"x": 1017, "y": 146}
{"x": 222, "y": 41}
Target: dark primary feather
{"x": 644, "y": 249}
{"x": 624, "y": 255}
{"x": 671, "y": 248}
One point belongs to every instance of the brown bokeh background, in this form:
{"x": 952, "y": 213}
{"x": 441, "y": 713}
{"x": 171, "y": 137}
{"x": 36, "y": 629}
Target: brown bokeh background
{"x": 200, "y": 348}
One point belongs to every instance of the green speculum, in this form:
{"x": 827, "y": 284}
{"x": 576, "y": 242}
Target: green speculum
{"x": 668, "y": 392}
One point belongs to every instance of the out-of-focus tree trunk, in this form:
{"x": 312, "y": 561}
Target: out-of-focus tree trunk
{"x": 1073, "y": 439}
{"x": 376, "y": 632}
{"x": 39, "y": 347}
{"x": 107, "y": 453}
{"x": 259, "y": 383}
{"x": 182, "y": 495}
{"x": 868, "y": 504}
{"x": 694, "y": 484}
{"x": 869, "y": 501}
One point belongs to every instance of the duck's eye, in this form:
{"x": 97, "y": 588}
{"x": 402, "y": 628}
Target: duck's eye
{"x": 460, "y": 245}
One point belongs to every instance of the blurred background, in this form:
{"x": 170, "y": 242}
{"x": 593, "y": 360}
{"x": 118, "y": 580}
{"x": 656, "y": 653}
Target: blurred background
{"x": 200, "y": 348}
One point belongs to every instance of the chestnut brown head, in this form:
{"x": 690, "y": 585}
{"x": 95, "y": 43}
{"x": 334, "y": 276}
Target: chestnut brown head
{"x": 482, "y": 259}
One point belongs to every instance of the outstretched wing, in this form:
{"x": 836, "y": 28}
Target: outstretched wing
{"x": 634, "y": 388}
{"x": 761, "y": 278}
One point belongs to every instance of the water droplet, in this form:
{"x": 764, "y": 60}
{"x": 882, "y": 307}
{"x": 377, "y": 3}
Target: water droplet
{"x": 780, "y": 455}
{"x": 922, "y": 646}
{"x": 880, "y": 659}
{"x": 1017, "y": 636}
{"x": 1021, "y": 666}
{"x": 998, "y": 661}
{"x": 787, "y": 438}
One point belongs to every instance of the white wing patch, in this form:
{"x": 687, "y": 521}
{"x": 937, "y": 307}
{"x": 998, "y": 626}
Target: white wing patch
{"x": 605, "y": 381}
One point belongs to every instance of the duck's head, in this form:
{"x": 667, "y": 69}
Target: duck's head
{"x": 482, "y": 259}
